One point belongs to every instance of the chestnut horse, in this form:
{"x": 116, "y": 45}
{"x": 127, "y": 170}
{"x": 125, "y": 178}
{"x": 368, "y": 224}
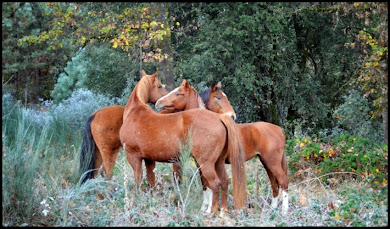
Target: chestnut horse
{"x": 262, "y": 139}
{"x": 101, "y": 141}
{"x": 151, "y": 136}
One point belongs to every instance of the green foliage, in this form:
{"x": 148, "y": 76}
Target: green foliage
{"x": 348, "y": 210}
{"x": 276, "y": 64}
{"x": 107, "y": 70}
{"x": 71, "y": 79}
{"x": 341, "y": 153}
{"x": 100, "y": 69}
{"x": 235, "y": 48}
{"x": 29, "y": 70}
{"x": 354, "y": 115}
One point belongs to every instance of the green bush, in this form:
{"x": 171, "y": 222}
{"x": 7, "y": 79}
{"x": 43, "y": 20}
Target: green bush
{"x": 99, "y": 68}
{"x": 341, "y": 153}
{"x": 354, "y": 116}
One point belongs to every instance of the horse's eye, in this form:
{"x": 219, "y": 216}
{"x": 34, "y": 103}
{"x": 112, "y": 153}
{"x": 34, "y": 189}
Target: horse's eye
{"x": 177, "y": 94}
{"x": 218, "y": 97}
{"x": 160, "y": 87}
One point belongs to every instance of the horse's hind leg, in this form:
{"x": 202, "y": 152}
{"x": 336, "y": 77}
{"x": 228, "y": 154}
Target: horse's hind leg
{"x": 213, "y": 182}
{"x": 222, "y": 175}
{"x": 109, "y": 158}
{"x": 150, "y": 165}
{"x": 98, "y": 162}
{"x": 274, "y": 184}
{"x": 281, "y": 176}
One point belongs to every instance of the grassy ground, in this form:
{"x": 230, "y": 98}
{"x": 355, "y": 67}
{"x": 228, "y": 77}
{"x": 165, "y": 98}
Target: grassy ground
{"x": 60, "y": 201}
{"x": 40, "y": 187}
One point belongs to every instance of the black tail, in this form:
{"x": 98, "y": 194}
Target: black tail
{"x": 87, "y": 155}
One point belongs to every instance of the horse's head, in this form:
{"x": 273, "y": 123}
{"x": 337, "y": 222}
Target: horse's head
{"x": 218, "y": 101}
{"x": 175, "y": 100}
{"x": 157, "y": 90}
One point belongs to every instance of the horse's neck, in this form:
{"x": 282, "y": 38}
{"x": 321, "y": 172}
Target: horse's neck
{"x": 138, "y": 98}
{"x": 194, "y": 101}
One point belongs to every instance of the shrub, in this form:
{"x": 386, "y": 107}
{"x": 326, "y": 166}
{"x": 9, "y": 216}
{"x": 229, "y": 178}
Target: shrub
{"x": 354, "y": 116}
{"x": 341, "y": 153}
{"x": 76, "y": 109}
{"x": 188, "y": 189}
{"x": 72, "y": 78}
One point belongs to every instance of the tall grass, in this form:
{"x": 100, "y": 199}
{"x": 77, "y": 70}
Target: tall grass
{"x": 189, "y": 187}
{"x": 21, "y": 161}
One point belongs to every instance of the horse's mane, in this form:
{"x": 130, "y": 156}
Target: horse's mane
{"x": 141, "y": 90}
{"x": 199, "y": 98}
{"x": 140, "y": 93}
{"x": 205, "y": 94}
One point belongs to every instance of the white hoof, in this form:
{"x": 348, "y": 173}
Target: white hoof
{"x": 274, "y": 203}
{"x": 285, "y": 202}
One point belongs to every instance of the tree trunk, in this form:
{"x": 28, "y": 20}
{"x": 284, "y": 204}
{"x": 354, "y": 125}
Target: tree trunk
{"x": 165, "y": 67}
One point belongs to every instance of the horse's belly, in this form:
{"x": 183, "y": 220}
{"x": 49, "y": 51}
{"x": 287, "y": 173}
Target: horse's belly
{"x": 157, "y": 148}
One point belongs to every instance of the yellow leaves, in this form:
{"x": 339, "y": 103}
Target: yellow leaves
{"x": 331, "y": 152}
{"x": 302, "y": 144}
{"x": 337, "y": 216}
{"x": 83, "y": 39}
{"x": 177, "y": 23}
{"x": 377, "y": 170}
{"x": 115, "y": 44}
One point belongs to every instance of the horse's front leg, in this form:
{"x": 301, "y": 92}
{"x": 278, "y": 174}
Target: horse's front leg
{"x": 136, "y": 162}
{"x": 150, "y": 175}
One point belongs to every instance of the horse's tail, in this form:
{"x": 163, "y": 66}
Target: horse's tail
{"x": 87, "y": 155}
{"x": 236, "y": 152}
{"x": 284, "y": 157}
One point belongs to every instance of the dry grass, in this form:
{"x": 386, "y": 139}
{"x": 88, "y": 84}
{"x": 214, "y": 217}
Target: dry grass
{"x": 62, "y": 202}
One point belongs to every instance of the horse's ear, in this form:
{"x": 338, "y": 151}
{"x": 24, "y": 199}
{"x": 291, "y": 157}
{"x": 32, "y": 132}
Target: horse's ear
{"x": 214, "y": 87}
{"x": 143, "y": 73}
{"x": 185, "y": 84}
{"x": 219, "y": 85}
{"x": 154, "y": 75}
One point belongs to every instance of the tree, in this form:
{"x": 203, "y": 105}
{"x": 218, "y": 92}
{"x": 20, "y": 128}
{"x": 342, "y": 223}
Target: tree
{"x": 27, "y": 70}
{"x": 128, "y": 26}
{"x": 164, "y": 67}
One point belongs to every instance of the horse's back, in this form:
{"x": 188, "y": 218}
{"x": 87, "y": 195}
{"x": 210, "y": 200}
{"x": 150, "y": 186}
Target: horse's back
{"x": 261, "y": 137}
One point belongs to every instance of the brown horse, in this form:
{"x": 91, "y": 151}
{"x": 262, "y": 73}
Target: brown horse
{"x": 151, "y": 136}
{"x": 262, "y": 139}
{"x": 101, "y": 141}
